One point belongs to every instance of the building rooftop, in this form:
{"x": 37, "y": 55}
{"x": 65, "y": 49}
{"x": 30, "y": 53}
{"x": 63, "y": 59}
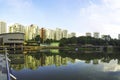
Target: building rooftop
{"x": 11, "y": 33}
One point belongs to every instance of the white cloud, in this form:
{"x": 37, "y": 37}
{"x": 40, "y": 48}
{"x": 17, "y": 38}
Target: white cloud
{"x": 113, "y": 4}
{"x": 112, "y": 66}
{"x": 104, "y": 17}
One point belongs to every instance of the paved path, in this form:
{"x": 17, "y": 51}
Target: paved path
{"x": 3, "y": 74}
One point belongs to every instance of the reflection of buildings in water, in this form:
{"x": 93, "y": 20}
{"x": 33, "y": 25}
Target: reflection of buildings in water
{"x": 17, "y": 61}
{"x": 49, "y": 60}
{"x": 57, "y": 60}
{"x": 95, "y": 61}
{"x": 118, "y": 61}
{"x": 33, "y": 63}
{"x": 17, "y": 66}
{"x": 106, "y": 59}
{"x": 87, "y": 61}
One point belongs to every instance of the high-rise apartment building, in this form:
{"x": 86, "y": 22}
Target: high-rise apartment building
{"x": 17, "y": 28}
{"x": 43, "y": 34}
{"x": 50, "y": 34}
{"x": 58, "y": 34}
{"x": 27, "y": 36}
{"x": 88, "y": 34}
{"x": 73, "y": 34}
{"x": 68, "y": 35}
{"x": 96, "y": 35}
{"x": 64, "y": 34}
{"x": 3, "y": 27}
{"x": 31, "y": 31}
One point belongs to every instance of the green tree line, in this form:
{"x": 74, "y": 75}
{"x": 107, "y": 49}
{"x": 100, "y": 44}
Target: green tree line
{"x": 82, "y": 40}
{"x": 39, "y": 40}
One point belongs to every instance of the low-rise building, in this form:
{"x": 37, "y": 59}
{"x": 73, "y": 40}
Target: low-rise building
{"x": 12, "y": 39}
{"x": 119, "y": 36}
{"x": 96, "y": 35}
{"x": 106, "y": 37}
{"x": 88, "y": 34}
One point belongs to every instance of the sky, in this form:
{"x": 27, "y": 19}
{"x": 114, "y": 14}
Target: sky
{"x": 79, "y": 16}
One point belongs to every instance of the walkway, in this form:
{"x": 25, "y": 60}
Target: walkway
{"x": 3, "y": 73}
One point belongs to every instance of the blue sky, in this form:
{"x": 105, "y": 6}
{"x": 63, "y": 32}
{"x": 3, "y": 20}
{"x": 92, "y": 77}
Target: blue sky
{"x": 78, "y": 16}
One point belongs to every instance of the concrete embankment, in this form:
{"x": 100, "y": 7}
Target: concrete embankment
{"x": 26, "y": 48}
{"x": 98, "y": 49}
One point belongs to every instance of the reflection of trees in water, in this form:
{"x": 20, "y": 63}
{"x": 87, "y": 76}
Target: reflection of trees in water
{"x": 94, "y": 58}
{"x": 86, "y": 56}
{"x": 35, "y": 60}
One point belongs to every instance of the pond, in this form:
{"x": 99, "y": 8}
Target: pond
{"x": 65, "y": 65}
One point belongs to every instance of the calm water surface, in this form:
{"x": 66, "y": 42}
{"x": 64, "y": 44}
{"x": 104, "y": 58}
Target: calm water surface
{"x": 55, "y": 65}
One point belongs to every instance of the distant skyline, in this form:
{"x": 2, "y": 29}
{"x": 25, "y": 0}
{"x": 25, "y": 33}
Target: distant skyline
{"x": 79, "y": 16}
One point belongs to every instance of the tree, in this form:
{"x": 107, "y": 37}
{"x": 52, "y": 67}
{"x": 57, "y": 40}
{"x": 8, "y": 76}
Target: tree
{"x": 37, "y": 38}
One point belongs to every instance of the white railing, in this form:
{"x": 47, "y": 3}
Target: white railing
{"x": 9, "y": 75}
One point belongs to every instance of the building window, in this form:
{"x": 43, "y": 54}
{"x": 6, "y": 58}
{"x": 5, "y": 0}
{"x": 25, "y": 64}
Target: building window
{"x": 16, "y": 39}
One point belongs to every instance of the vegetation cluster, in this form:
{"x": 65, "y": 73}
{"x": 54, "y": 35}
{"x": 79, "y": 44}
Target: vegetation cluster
{"x": 83, "y": 40}
{"x": 79, "y": 41}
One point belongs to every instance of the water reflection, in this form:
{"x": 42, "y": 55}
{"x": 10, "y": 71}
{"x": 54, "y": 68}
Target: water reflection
{"x": 66, "y": 66}
{"x": 32, "y": 62}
